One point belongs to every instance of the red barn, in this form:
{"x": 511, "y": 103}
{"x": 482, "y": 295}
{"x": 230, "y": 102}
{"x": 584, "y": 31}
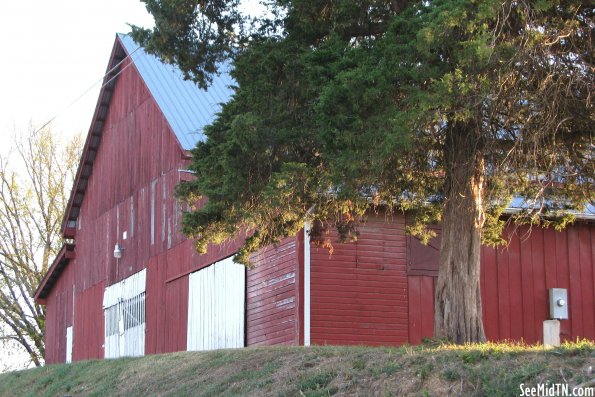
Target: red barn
{"x": 128, "y": 283}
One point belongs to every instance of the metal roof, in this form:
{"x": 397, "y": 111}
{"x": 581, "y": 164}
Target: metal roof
{"x": 518, "y": 204}
{"x": 187, "y": 108}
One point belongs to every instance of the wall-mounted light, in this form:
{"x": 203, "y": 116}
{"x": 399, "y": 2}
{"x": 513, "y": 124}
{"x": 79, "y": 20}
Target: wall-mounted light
{"x": 118, "y": 251}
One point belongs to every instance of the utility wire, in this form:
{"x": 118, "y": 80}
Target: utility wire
{"x": 88, "y": 89}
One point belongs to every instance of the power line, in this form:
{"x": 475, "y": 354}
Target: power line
{"x": 89, "y": 89}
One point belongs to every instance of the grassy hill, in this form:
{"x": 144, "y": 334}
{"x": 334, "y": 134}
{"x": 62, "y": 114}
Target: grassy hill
{"x": 433, "y": 369}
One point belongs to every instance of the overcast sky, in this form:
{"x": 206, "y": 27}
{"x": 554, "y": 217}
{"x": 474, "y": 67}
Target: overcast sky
{"x": 52, "y": 52}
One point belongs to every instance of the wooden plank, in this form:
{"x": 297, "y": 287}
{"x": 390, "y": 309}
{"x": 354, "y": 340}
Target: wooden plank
{"x": 342, "y": 320}
{"x": 527, "y": 285}
{"x": 540, "y": 293}
{"x": 415, "y": 329}
{"x": 348, "y": 338}
{"x": 587, "y": 284}
{"x": 273, "y": 295}
{"x": 563, "y": 278}
{"x": 427, "y": 306}
{"x": 503, "y": 297}
{"x": 489, "y": 288}
{"x": 152, "y": 306}
{"x": 269, "y": 315}
{"x": 288, "y": 294}
{"x": 575, "y": 294}
{"x": 515, "y": 291}
{"x": 549, "y": 258}
{"x": 371, "y": 306}
{"x": 284, "y": 325}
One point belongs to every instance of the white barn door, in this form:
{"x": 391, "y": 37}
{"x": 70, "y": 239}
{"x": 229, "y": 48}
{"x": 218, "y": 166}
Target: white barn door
{"x": 124, "y": 309}
{"x": 216, "y": 306}
{"x": 69, "y": 344}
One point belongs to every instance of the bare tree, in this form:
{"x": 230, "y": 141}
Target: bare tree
{"x": 35, "y": 180}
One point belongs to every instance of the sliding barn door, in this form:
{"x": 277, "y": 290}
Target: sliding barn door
{"x": 216, "y": 306}
{"x": 124, "y": 309}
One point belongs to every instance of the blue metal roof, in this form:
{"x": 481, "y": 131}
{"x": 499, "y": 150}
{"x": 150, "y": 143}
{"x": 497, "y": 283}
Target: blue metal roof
{"x": 187, "y": 108}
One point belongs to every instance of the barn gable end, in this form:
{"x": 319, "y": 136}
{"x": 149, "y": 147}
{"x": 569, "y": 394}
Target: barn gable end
{"x": 146, "y": 120}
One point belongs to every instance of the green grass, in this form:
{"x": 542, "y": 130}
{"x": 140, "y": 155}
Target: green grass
{"x": 432, "y": 369}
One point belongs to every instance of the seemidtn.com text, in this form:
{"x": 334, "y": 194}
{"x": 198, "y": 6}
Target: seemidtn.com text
{"x": 555, "y": 390}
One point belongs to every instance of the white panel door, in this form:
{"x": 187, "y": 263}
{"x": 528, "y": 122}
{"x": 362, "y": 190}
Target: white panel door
{"x": 124, "y": 310}
{"x": 216, "y": 306}
{"x": 69, "y": 344}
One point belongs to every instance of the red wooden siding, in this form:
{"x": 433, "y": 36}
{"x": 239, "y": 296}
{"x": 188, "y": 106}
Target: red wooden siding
{"x": 166, "y": 308}
{"x": 421, "y": 308}
{"x": 272, "y": 296}
{"x": 58, "y": 317}
{"x": 88, "y": 324}
{"x": 359, "y": 293}
{"x": 515, "y": 282}
{"x": 423, "y": 260}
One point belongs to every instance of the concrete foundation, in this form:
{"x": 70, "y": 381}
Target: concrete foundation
{"x": 551, "y": 333}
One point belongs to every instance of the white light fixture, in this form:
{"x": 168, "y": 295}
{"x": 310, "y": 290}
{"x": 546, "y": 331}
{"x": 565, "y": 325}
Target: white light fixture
{"x": 118, "y": 251}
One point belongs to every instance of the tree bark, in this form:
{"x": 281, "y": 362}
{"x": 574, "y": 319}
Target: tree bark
{"x": 457, "y": 306}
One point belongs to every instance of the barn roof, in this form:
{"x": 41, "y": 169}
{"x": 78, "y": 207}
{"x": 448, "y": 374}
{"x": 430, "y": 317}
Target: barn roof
{"x": 50, "y": 278}
{"x": 186, "y": 108}
{"x": 518, "y": 204}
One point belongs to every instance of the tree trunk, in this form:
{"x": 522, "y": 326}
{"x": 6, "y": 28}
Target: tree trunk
{"x": 457, "y": 306}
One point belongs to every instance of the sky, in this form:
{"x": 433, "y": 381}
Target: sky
{"x": 51, "y": 53}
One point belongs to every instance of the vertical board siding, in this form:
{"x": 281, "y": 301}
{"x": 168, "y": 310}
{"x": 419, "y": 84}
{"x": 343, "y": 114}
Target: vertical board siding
{"x": 586, "y": 263}
{"x": 516, "y": 280}
{"x": 542, "y": 259}
{"x": 176, "y": 302}
{"x": 88, "y": 324}
{"x": 359, "y": 293}
{"x": 421, "y": 308}
{"x": 59, "y": 317}
{"x": 272, "y": 307}
{"x": 216, "y": 306}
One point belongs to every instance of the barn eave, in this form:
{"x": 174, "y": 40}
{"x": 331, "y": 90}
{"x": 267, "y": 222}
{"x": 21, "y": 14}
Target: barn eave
{"x": 65, "y": 255}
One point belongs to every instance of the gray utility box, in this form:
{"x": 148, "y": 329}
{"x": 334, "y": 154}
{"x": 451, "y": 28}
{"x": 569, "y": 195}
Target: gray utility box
{"x": 558, "y": 303}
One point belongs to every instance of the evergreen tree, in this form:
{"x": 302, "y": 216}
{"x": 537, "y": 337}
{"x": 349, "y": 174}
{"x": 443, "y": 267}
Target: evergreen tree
{"x": 446, "y": 109}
